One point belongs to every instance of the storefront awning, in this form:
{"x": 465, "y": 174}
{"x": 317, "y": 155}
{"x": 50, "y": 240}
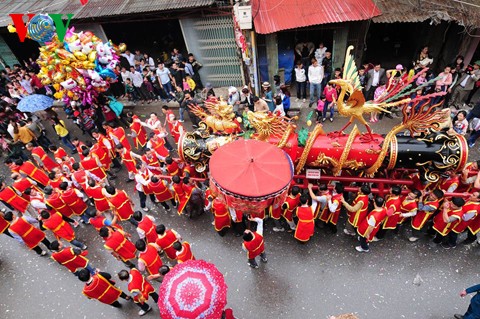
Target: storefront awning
{"x": 270, "y": 16}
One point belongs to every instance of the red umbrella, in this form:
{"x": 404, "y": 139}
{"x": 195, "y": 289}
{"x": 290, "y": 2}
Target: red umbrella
{"x": 249, "y": 174}
{"x": 193, "y": 289}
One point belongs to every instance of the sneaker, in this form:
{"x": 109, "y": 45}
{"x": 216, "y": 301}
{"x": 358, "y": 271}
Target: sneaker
{"x": 471, "y": 145}
{"x": 276, "y": 229}
{"x": 331, "y": 120}
{"x": 457, "y": 316}
{"x": 75, "y": 224}
{"x": 168, "y": 209}
{"x": 347, "y": 232}
{"x": 181, "y": 121}
{"x": 145, "y": 209}
{"x": 143, "y": 312}
{"x": 175, "y": 205}
{"x": 324, "y": 119}
{"x": 468, "y": 241}
{"x": 264, "y": 260}
{"x": 413, "y": 239}
{"x": 303, "y": 101}
{"x": 375, "y": 239}
{"x": 252, "y": 265}
{"x": 84, "y": 247}
{"x": 360, "y": 249}
{"x": 43, "y": 253}
{"x": 297, "y": 100}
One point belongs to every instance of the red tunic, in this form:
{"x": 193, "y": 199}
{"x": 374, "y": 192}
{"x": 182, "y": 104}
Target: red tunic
{"x": 138, "y": 284}
{"x": 118, "y": 243}
{"x": 393, "y": 202}
{"x": 80, "y": 150}
{"x": 275, "y": 209}
{"x": 59, "y": 154}
{"x": 59, "y": 227}
{"x": 158, "y": 146}
{"x": 41, "y": 157}
{"x": 292, "y": 203}
{"x": 119, "y": 133}
{"x": 147, "y": 225}
{"x": 128, "y": 161}
{"x": 102, "y": 290}
{"x": 141, "y": 134}
{"x": 446, "y": 183}
{"x": 166, "y": 242}
{"x": 101, "y": 202}
{"x": 355, "y": 217}
{"x": 67, "y": 258}
{"x": 444, "y": 228}
{"x": 30, "y": 170}
{"x": 71, "y": 199}
{"x": 185, "y": 254}
{"x": 469, "y": 207}
{"x": 55, "y": 201}
{"x": 175, "y": 130}
{"x": 221, "y": 215}
{"x": 306, "y": 225}
{"x": 9, "y": 196}
{"x": 474, "y": 225}
{"x": 22, "y": 184}
{"x": 151, "y": 259}
{"x": 122, "y": 205}
{"x": 328, "y": 217}
{"x": 101, "y": 152}
{"x": 3, "y": 224}
{"x": 80, "y": 177}
{"x": 160, "y": 190}
{"x": 90, "y": 164}
{"x": 31, "y": 235}
{"x": 408, "y": 206}
{"x": 379, "y": 216}
{"x": 254, "y": 247}
{"x": 55, "y": 183}
{"x": 173, "y": 169}
{"x": 419, "y": 220}
{"x": 152, "y": 163}
{"x": 99, "y": 221}
{"x": 182, "y": 195}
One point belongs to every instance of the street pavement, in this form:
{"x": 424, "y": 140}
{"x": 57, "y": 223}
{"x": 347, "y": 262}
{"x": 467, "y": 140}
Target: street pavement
{"x": 326, "y": 276}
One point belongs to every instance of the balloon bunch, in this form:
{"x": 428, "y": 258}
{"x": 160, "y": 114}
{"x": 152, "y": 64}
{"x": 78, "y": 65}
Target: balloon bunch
{"x": 80, "y": 67}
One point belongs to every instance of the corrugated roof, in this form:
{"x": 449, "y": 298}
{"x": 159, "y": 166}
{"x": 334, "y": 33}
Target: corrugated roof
{"x": 436, "y": 10}
{"x": 94, "y": 8}
{"x": 275, "y": 15}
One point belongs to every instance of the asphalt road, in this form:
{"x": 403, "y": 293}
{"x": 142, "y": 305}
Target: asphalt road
{"x": 324, "y": 277}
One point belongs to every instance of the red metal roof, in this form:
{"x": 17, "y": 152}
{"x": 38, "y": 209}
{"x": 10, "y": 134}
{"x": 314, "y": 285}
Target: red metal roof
{"x": 270, "y": 16}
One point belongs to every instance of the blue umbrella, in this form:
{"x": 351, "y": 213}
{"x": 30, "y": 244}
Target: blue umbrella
{"x": 35, "y": 102}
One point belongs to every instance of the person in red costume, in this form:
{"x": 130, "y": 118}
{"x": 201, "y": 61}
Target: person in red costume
{"x": 101, "y": 287}
{"x": 306, "y": 224}
{"x": 358, "y": 210}
{"x": 71, "y": 257}
{"x": 184, "y": 252}
{"x": 221, "y": 217}
{"x": 140, "y": 289}
{"x": 253, "y": 243}
{"x": 368, "y": 227}
{"x": 118, "y": 243}
{"x": 166, "y": 238}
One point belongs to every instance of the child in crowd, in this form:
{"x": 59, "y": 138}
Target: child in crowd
{"x": 330, "y": 94}
{"x": 461, "y": 124}
{"x": 320, "y": 106}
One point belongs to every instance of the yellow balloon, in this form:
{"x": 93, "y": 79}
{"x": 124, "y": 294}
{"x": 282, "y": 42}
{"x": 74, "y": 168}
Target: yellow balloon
{"x": 122, "y": 47}
{"x": 80, "y": 55}
{"x": 88, "y": 65}
{"x": 70, "y": 94}
{"x": 51, "y": 67}
{"x": 92, "y": 56}
{"x": 56, "y": 86}
{"x": 65, "y": 62}
{"x": 58, "y": 77}
{"x": 80, "y": 81}
{"x": 309, "y": 123}
{"x": 68, "y": 69}
{"x": 46, "y": 81}
{"x": 58, "y": 95}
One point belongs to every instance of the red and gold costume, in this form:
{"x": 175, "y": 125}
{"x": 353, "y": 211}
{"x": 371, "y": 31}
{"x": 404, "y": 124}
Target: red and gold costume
{"x": 31, "y": 235}
{"x": 151, "y": 259}
{"x": 292, "y": 203}
{"x": 80, "y": 176}
{"x": 148, "y": 227}
{"x": 158, "y": 145}
{"x": 90, "y": 164}
{"x": 445, "y": 184}
{"x": 71, "y": 198}
{"x": 121, "y": 204}
{"x": 4, "y": 224}
{"x": 356, "y": 217}
{"x": 35, "y": 173}
{"x": 128, "y": 160}
{"x": 329, "y": 217}
{"x": 173, "y": 169}
{"x": 80, "y": 148}
{"x": 119, "y": 132}
{"x": 182, "y": 195}
{"x": 101, "y": 289}
{"x": 152, "y": 163}
{"x": 185, "y": 254}
{"x": 408, "y": 206}
{"x": 470, "y": 207}
{"x": 55, "y": 201}
{"x": 221, "y": 215}
{"x": 378, "y": 215}
{"x": 100, "y": 221}
{"x": 393, "y": 204}
{"x": 59, "y": 154}
{"x": 69, "y": 259}
{"x": 120, "y": 245}
{"x": 139, "y": 286}
{"x": 166, "y": 242}
{"x": 43, "y": 159}
{"x": 254, "y": 247}
{"x": 175, "y": 128}
{"x": 444, "y": 228}
{"x": 306, "y": 225}
{"x": 101, "y": 202}
{"x": 55, "y": 183}
{"x": 21, "y": 184}
{"x": 160, "y": 190}
{"x": 140, "y": 138}
{"x": 9, "y": 196}
{"x": 419, "y": 220}
{"x": 101, "y": 152}
{"x": 59, "y": 227}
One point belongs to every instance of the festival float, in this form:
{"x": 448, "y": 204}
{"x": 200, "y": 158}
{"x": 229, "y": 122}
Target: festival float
{"x": 422, "y": 143}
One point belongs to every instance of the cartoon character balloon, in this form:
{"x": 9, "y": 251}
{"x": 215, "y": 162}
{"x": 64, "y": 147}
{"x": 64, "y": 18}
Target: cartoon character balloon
{"x": 41, "y": 28}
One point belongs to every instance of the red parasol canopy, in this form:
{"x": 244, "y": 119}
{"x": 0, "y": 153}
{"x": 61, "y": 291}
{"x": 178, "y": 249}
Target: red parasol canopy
{"x": 251, "y": 168}
{"x": 193, "y": 289}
